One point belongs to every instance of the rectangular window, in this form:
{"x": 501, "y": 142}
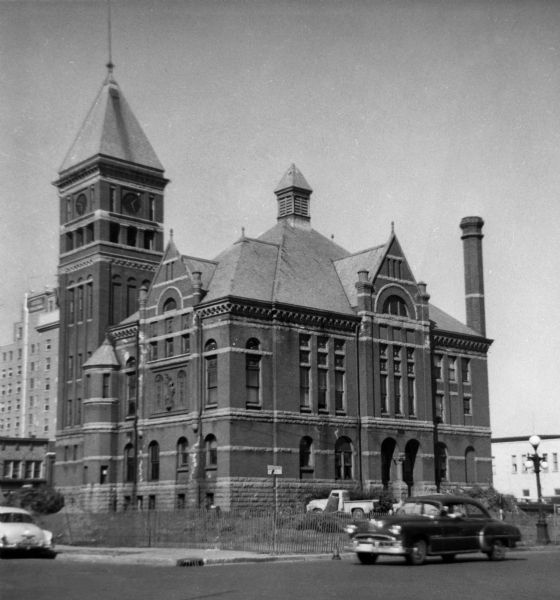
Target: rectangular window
{"x": 411, "y": 400}
{"x": 70, "y": 367}
{"x": 304, "y": 400}
{"x": 322, "y": 388}
{"x": 185, "y": 344}
{"x": 398, "y": 395}
{"x": 69, "y": 412}
{"x": 16, "y": 469}
{"x": 452, "y": 368}
{"x": 384, "y": 398}
{"x": 252, "y": 372}
{"x": 37, "y": 469}
{"x": 467, "y": 406}
{"x": 339, "y": 375}
{"x": 78, "y": 412}
{"x": 131, "y": 393}
{"x": 514, "y": 463}
{"x": 437, "y": 367}
{"x": 465, "y": 370}
{"x": 523, "y": 465}
{"x": 555, "y": 462}
{"x": 169, "y": 325}
{"x": 81, "y": 303}
{"x": 153, "y": 350}
{"x": 212, "y": 380}
{"x": 169, "y": 347}
{"x": 304, "y": 372}
{"x": 106, "y": 382}
{"x": 28, "y": 469}
{"x": 339, "y": 378}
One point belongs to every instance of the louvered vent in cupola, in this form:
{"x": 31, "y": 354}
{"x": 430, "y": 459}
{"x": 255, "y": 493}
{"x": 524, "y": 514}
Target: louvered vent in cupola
{"x": 293, "y": 194}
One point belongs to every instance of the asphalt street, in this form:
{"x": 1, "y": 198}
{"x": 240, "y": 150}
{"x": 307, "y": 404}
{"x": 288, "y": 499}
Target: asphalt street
{"x": 524, "y": 575}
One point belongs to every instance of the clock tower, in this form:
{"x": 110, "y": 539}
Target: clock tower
{"x": 110, "y": 188}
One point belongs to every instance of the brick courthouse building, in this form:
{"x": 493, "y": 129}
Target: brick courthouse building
{"x": 182, "y": 379}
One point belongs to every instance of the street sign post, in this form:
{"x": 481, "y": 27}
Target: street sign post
{"x": 274, "y": 470}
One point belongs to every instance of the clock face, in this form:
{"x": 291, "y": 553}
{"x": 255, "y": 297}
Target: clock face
{"x": 131, "y": 203}
{"x": 81, "y": 204}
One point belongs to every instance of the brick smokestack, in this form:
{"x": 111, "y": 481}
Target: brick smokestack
{"x": 474, "y": 277}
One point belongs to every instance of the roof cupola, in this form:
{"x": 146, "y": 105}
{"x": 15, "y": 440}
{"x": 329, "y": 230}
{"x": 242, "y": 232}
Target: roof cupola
{"x": 294, "y": 195}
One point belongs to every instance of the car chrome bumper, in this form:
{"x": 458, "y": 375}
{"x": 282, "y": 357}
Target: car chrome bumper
{"x": 379, "y": 547}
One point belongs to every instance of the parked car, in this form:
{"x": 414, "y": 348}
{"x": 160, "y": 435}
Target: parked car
{"x": 339, "y": 501}
{"x": 442, "y": 525}
{"x": 18, "y": 533}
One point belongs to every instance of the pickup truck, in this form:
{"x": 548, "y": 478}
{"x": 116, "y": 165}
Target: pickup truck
{"x": 339, "y": 501}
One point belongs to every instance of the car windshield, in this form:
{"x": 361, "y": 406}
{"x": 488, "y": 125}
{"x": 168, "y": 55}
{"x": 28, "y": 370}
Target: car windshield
{"x": 15, "y": 518}
{"x": 419, "y": 508}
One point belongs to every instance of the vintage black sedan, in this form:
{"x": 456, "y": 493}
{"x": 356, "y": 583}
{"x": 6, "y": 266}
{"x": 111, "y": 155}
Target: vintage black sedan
{"x": 442, "y": 525}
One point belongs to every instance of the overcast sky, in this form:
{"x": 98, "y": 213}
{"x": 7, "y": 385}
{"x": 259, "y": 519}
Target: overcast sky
{"x": 418, "y": 112}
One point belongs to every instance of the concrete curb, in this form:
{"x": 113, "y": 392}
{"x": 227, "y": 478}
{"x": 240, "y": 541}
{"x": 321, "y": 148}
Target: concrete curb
{"x": 175, "y": 557}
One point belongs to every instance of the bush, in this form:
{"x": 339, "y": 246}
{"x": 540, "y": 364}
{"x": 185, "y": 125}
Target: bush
{"x": 43, "y": 500}
{"x": 322, "y": 522}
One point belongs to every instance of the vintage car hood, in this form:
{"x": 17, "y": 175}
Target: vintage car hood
{"x": 387, "y": 521}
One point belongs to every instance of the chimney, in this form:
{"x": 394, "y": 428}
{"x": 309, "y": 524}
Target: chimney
{"x": 474, "y": 278}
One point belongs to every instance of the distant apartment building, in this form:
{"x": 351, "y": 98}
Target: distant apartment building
{"x": 513, "y": 476}
{"x": 29, "y": 369}
{"x": 25, "y": 461}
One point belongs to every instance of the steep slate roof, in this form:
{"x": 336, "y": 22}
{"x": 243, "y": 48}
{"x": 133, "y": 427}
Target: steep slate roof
{"x": 446, "y": 322}
{"x": 293, "y": 178}
{"x": 104, "y": 356}
{"x": 111, "y": 129}
{"x": 292, "y": 264}
{"x": 206, "y": 268}
{"x": 348, "y": 268}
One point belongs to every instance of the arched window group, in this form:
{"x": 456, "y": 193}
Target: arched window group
{"x": 153, "y": 470}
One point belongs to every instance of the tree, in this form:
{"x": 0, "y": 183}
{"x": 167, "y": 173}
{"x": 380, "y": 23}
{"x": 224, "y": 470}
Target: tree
{"x": 43, "y": 500}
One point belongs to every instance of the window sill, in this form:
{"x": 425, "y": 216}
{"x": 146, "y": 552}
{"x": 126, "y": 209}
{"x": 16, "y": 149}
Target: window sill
{"x": 340, "y": 412}
{"x": 253, "y": 406}
{"x": 323, "y": 411}
{"x": 305, "y": 409}
{"x": 210, "y": 406}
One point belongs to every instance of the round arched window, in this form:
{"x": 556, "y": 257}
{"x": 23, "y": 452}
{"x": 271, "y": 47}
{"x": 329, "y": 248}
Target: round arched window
{"x": 395, "y": 305}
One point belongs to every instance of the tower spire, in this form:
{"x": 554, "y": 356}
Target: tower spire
{"x": 110, "y": 66}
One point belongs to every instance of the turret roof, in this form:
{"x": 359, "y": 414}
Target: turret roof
{"x": 111, "y": 129}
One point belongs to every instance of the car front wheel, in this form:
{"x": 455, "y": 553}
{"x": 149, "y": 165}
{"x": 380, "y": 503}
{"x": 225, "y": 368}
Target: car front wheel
{"x": 367, "y": 559}
{"x": 418, "y": 553}
{"x": 497, "y": 551}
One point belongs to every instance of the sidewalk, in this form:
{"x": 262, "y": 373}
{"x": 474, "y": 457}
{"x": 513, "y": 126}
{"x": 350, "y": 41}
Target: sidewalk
{"x": 178, "y": 557}
{"x": 198, "y": 557}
